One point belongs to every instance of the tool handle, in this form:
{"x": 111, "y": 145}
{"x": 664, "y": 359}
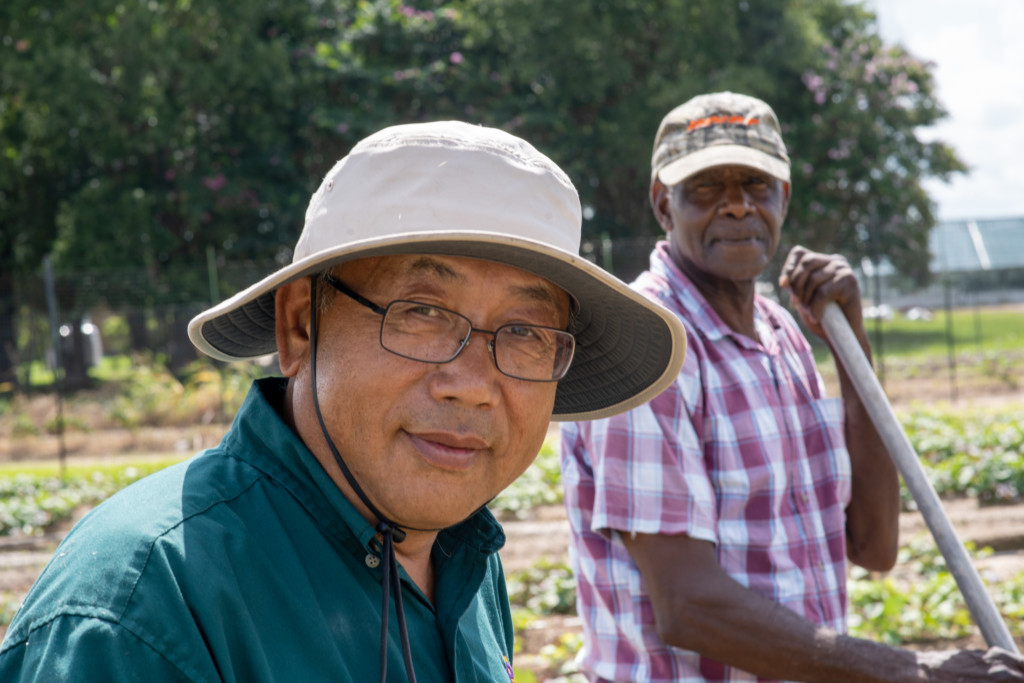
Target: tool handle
{"x": 979, "y": 602}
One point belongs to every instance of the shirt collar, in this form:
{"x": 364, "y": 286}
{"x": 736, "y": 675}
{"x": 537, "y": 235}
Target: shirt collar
{"x": 702, "y": 316}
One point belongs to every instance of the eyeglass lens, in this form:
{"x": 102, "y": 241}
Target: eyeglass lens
{"x": 437, "y": 335}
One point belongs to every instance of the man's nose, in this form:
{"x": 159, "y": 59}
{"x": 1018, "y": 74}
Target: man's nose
{"x": 736, "y": 202}
{"x": 472, "y": 376}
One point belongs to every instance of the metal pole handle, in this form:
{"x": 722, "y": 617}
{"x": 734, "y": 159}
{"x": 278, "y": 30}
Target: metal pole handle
{"x": 979, "y": 602}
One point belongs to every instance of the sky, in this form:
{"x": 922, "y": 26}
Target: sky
{"x": 979, "y": 56}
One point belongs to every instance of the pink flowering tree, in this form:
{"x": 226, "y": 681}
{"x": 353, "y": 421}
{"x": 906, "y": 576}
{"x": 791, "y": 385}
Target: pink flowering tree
{"x": 858, "y": 156}
{"x": 589, "y": 87}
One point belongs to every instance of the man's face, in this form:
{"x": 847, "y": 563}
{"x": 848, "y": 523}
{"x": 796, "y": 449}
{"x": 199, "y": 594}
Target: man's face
{"x": 430, "y": 443}
{"x": 723, "y": 223}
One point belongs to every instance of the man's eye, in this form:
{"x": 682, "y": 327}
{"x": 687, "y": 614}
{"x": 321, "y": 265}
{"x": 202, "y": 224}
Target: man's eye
{"x": 424, "y": 310}
{"x": 522, "y": 331}
{"x": 412, "y": 313}
{"x": 706, "y": 187}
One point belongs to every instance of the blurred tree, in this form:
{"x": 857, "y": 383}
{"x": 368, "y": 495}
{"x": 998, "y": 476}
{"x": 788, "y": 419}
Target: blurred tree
{"x": 388, "y": 62}
{"x": 858, "y": 161}
{"x": 37, "y": 156}
{"x": 137, "y": 135}
{"x": 589, "y": 82}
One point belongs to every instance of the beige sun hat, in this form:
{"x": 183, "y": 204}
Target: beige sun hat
{"x": 462, "y": 190}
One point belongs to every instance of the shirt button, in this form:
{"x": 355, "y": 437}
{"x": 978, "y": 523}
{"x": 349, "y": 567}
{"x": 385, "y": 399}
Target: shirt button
{"x": 372, "y": 561}
{"x": 803, "y": 497}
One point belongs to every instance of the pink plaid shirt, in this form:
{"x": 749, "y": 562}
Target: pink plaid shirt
{"x": 743, "y": 451}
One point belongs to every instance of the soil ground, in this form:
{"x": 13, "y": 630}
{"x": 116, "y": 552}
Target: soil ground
{"x": 544, "y": 534}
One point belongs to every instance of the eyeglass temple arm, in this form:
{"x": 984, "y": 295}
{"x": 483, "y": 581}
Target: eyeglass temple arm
{"x": 340, "y": 286}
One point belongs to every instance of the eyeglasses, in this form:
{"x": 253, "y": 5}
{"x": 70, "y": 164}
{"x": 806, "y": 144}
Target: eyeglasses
{"x": 432, "y": 334}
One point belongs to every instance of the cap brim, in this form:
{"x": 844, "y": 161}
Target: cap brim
{"x": 628, "y": 348}
{"x": 722, "y": 155}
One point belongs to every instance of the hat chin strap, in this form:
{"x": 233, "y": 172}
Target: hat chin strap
{"x": 389, "y": 531}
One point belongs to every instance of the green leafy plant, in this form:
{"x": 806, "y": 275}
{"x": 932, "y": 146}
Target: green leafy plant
{"x": 148, "y": 397}
{"x": 32, "y": 503}
{"x": 69, "y": 422}
{"x": 545, "y": 588}
{"x": 930, "y": 607}
{"x": 540, "y": 484}
{"x": 24, "y": 426}
{"x": 9, "y": 604}
{"x": 559, "y": 656}
{"x": 978, "y": 453}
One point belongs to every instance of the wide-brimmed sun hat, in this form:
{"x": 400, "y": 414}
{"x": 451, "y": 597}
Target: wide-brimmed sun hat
{"x": 457, "y": 189}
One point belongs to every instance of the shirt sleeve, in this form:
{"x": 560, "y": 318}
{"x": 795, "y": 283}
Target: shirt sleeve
{"x": 81, "y": 648}
{"x": 643, "y": 471}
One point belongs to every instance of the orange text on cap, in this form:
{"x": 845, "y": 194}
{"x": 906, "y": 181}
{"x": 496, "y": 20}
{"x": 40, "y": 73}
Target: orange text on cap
{"x": 705, "y": 121}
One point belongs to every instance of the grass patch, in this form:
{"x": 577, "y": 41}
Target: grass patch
{"x": 985, "y": 330}
{"x": 48, "y": 469}
{"x": 113, "y": 369}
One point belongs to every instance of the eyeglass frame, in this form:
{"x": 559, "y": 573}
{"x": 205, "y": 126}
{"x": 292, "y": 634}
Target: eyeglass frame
{"x": 491, "y": 343}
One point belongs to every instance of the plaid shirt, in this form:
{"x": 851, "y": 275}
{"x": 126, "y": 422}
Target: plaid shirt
{"x": 743, "y": 451}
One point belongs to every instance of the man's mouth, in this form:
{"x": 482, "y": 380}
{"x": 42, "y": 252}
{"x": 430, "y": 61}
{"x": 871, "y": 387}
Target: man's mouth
{"x": 448, "y": 450}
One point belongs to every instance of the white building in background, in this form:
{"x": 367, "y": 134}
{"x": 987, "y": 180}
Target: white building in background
{"x": 980, "y": 261}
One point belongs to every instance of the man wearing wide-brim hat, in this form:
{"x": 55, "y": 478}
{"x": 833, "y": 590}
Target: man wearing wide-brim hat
{"x": 435, "y": 318}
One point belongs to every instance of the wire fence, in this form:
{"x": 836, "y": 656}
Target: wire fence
{"x": 124, "y": 331}
{"x": 114, "y": 312}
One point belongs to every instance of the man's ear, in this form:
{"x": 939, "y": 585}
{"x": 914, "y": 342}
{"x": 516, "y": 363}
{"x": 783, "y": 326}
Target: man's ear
{"x": 292, "y": 328}
{"x": 785, "y": 199}
{"x": 659, "y": 204}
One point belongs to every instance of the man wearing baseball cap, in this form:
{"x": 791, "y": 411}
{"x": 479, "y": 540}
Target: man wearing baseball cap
{"x": 434, "y": 319}
{"x": 712, "y": 526}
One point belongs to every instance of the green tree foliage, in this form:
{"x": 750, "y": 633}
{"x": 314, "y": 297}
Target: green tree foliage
{"x": 390, "y": 63}
{"x": 157, "y": 129}
{"x": 137, "y": 134}
{"x": 589, "y": 82}
{"x": 140, "y": 134}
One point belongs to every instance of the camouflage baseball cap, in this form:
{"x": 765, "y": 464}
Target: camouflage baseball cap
{"x": 718, "y": 129}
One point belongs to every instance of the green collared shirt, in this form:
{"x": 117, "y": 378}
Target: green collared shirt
{"x": 246, "y": 563}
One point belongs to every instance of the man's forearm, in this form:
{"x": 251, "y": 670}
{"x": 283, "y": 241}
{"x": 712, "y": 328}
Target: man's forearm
{"x": 723, "y": 620}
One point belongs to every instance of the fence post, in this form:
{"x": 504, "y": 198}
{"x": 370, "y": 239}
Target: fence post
{"x": 606, "y": 252}
{"x": 58, "y": 380}
{"x": 211, "y": 273}
{"x": 879, "y": 349}
{"x": 950, "y": 340}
